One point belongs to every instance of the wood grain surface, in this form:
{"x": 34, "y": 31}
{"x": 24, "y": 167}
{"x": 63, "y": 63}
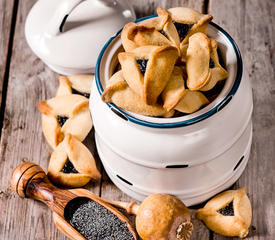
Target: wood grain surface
{"x": 28, "y": 81}
{"x": 7, "y": 21}
{"x": 252, "y": 27}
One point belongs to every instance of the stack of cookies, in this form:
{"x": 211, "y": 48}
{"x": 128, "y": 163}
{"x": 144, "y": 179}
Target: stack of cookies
{"x": 168, "y": 65}
{"x": 66, "y": 121}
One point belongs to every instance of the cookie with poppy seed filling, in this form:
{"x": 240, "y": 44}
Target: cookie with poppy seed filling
{"x": 187, "y": 22}
{"x": 229, "y": 213}
{"x": 202, "y": 64}
{"x": 118, "y": 92}
{"x": 65, "y": 114}
{"x": 147, "y": 70}
{"x": 218, "y": 73}
{"x": 175, "y": 96}
{"x": 72, "y": 164}
{"x": 159, "y": 31}
{"x": 75, "y": 84}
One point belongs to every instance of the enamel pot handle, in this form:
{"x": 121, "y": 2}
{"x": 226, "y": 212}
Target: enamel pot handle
{"x": 63, "y": 10}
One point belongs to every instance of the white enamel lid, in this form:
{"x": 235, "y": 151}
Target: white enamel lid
{"x": 69, "y": 34}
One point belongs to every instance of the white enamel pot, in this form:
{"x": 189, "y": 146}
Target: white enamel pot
{"x": 192, "y": 157}
{"x": 67, "y": 35}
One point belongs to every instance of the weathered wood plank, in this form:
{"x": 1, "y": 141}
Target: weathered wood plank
{"x": 30, "y": 81}
{"x": 148, "y": 7}
{"x": 251, "y": 24}
{"x": 6, "y": 9}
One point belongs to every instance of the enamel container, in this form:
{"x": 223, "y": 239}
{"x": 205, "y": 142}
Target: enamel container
{"x": 192, "y": 157}
{"x": 68, "y": 34}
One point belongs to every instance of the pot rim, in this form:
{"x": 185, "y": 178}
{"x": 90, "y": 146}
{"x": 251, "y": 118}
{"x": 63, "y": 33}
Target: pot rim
{"x": 123, "y": 114}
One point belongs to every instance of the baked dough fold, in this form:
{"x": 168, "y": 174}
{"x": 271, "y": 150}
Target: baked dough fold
{"x": 218, "y": 216}
{"x": 72, "y": 164}
{"x": 118, "y": 92}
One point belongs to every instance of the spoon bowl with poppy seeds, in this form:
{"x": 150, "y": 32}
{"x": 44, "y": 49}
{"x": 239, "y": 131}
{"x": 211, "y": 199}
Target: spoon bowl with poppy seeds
{"x": 77, "y": 213}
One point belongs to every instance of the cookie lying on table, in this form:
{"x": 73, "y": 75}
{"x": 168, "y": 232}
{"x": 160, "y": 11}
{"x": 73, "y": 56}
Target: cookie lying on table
{"x": 75, "y": 84}
{"x": 64, "y": 114}
{"x": 229, "y": 213}
{"x": 72, "y": 164}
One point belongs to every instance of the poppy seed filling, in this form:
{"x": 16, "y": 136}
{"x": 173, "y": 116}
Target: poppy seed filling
{"x": 211, "y": 63}
{"x": 228, "y": 210}
{"x": 69, "y": 167}
{"x": 163, "y": 33}
{"x": 142, "y": 64}
{"x": 61, "y": 120}
{"x": 87, "y": 95}
{"x": 183, "y": 29}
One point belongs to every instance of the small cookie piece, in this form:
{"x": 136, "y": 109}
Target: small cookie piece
{"x": 119, "y": 93}
{"x": 174, "y": 90}
{"x": 187, "y": 22}
{"x": 229, "y": 213}
{"x": 157, "y": 31}
{"x": 147, "y": 70}
{"x": 191, "y": 102}
{"x": 65, "y": 114}
{"x": 75, "y": 84}
{"x": 197, "y": 63}
{"x": 218, "y": 73}
{"x": 72, "y": 164}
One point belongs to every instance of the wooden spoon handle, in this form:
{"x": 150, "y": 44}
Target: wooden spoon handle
{"x": 29, "y": 180}
{"x": 130, "y": 207}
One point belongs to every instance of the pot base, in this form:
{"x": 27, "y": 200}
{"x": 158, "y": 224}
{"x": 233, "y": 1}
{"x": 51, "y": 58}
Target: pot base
{"x": 193, "y": 197}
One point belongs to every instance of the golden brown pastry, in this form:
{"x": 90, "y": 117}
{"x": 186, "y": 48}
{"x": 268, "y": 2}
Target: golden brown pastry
{"x": 65, "y": 114}
{"x": 147, "y": 70}
{"x": 163, "y": 217}
{"x": 118, "y": 92}
{"x": 174, "y": 90}
{"x": 229, "y": 213}
{"x": 157, "y": 31}
{"x": 187, "y": 22}
{"x": 191, "y": 102}
{"x": 197, "y": 62}
{"x": 72, "y": 164}
{"x": 75, "y": 84}
{"x": 218, "y": 73}
{"x": 202, "y": 64}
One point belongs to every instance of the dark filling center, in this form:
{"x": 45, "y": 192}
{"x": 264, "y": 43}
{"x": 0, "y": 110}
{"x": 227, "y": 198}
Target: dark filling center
{"x": 62, "y": 120}
{"x": 94, "y": 221}
{"x": 142, "y": 63}
{"x": 87, "y": 95}
{"x": 182, "y": 29}
{"x": 69, "y": 167}
{"x": 163, "y": 33}
{"x": 211, "y": 63}
{"x": 228, "y": 210}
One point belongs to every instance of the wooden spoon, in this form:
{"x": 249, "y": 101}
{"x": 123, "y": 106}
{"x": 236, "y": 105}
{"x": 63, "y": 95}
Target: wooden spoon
{"x": 160, "y": 216}
{"x": 29, "y": 180}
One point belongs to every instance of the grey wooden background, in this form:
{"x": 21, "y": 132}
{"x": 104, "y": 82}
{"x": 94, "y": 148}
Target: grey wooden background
{"x": 25, "y": 80}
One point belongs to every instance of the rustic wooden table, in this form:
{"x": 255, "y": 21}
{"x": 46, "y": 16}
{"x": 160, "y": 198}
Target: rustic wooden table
{"x": 25, "y": 80}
